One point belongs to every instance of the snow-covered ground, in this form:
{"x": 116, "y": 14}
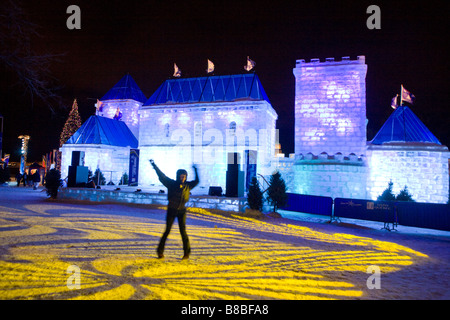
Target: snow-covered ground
{"x": 110, "y": 249}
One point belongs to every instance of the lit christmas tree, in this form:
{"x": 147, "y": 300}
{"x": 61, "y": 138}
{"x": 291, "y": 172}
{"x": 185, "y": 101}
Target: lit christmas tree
{"x": 72, "y": 124}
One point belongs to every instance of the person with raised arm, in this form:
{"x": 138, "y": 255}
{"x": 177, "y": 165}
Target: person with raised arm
{"x": 178, "y": 192}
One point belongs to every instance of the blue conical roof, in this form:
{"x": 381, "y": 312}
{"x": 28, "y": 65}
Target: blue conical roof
{"x": 125, "y": 89}
{"x": 209, "y": 89}
{"x": 101, "y": 130}
{"x": 404, "y": 126}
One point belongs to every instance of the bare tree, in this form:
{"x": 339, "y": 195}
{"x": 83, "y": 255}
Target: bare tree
{"x": 32, "y": 69}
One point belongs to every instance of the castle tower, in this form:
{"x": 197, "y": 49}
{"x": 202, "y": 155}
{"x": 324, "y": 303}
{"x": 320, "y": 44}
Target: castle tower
{"x": 125, "y": 97}
{"x": 330, "y": 128}
{"x": 405, "y": 152}
{"x": 330, "y": 106}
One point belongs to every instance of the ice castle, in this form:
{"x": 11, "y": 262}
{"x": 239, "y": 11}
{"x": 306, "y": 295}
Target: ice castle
{"x": 204, "y": 120}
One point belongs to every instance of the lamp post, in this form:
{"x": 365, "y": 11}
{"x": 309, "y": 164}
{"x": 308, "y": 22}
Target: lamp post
{"x": 23, "y": 152}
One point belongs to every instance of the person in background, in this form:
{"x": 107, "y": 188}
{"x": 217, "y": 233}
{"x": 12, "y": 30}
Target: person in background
{"x": 18, "y": 178}
{"x": 24, "y": 178}
{"x": 36, "y": 179}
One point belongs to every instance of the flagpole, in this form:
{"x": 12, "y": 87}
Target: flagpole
{"x": 403, "y": 111}
{"x": 208, "y": 74}
{"x": 401, "y": 95}
{"x": 206, "y": 82}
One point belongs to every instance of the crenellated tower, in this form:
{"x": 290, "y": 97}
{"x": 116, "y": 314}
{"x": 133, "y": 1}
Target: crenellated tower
{"x": 330, "y": 106}
{"x": 330, "y": 127}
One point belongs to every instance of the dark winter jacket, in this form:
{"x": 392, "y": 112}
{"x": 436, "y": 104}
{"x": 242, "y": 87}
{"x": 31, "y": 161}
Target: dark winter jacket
{"x": 177, "y": 192}
{"x": 36, "y": 177}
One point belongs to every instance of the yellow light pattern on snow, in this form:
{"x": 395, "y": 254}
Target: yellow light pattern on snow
{"x": 237, "y": 258}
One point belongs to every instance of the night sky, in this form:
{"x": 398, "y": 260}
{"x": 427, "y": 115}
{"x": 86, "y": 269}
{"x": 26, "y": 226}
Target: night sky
{"x": 145, "y": 39}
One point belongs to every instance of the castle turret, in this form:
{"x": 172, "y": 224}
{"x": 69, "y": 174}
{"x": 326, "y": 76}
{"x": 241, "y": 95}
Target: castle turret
{"x": 405, "y": 152}
{"x": 123, "y": 102}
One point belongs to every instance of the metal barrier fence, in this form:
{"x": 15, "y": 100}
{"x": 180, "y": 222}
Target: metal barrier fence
{"x": 424, "y": 215}
{"x": 382, "y": 211}
{"x": 411, "y": 214}
{"x": 309, "y": 204}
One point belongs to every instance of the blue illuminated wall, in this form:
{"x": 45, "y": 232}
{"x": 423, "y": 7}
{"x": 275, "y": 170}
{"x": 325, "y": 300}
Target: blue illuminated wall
{"x": 113, "y": 161}
{"x": 422, "y": 167}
